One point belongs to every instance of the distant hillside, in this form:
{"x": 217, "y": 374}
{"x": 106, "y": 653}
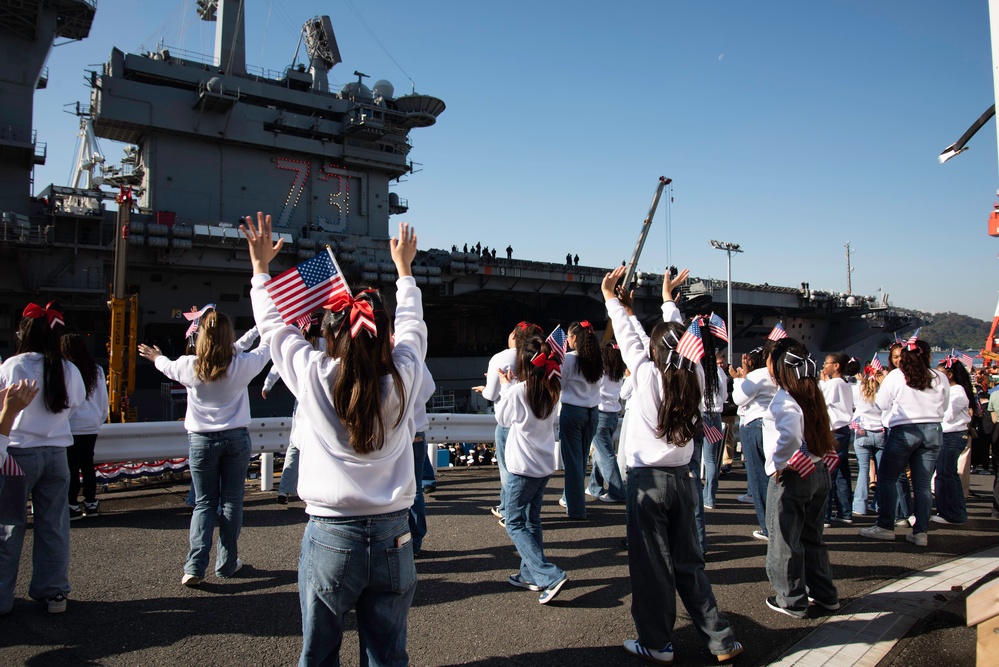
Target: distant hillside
{"x": 955, "y": 330}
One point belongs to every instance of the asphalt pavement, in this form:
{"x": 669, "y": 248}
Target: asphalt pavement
{"x": 128, "y": 607}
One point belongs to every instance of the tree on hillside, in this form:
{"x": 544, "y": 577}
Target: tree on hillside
{"x": 955, "y": 330}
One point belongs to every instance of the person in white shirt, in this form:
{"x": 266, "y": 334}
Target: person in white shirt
{"x": 581, "y": 373}
{"x": 358, "y": 400}
{"x": 752, "y": 391}
{"x": 839, "y": 402}
{"x": 869, "y": 438}
{"x": 528, "y": 409}
{"x": 664, "y": 557}
{"x": 951, "y": 507}
{"x": 914, "y": 398}
{"x": 85, "y": 424}
{"x": 218, "y": 414}
{"x": 605, "y": 469}
{"x": 37, "y": 447}
{"x": 796, "y": 437}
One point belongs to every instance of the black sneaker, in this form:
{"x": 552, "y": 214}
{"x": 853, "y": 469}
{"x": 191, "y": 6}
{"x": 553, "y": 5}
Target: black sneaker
{"x": 56, "y": 604}
{"x": 793, "y": 613}
{"x": 75, "y": 512}
{"x": 282, "y": 499}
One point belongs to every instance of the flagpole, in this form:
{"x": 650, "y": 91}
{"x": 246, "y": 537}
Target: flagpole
{"x": 337, "y": 267}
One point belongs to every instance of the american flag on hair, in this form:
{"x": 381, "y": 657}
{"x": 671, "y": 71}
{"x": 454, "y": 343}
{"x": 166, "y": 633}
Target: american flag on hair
{"x": 777, "y": 332}
{"x": 10, "y": 468}
{"x": 964, "y": 358}
{"x": 711, "y": 434}
{"x": 801, "y": 462}
{"x": 876, "y": 364}
{"x": 303, "y": 321}
{"x": 195, "y": 317}
{"x": 831, "y": 460}
{"x": 691, "y": 346}
{"x": 911, "y": 340}
{"x": 716, "y": 325}
{"x": 309, "y": 286}
{"x": 556, "y": 340}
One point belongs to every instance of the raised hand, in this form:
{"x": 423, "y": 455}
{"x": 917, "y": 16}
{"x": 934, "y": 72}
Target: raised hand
{"x": 18, "y": 396}
{"x": 670, "y": 284}
{"x": 610, "y": 281}
{"x": 403, "y": 249}
{"x": 258, "y": 240}
{"x": 149, "y": 352}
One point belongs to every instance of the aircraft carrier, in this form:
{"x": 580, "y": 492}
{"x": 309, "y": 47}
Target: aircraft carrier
{"x": 209, "y": 139}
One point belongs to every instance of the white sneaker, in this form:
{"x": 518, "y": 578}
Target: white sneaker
{"x": 919, "y": 539}
{"x": 608, "y": 498}
{"x": 936, "y": 518}
{"x": 662, "y": 657}
{"x": 190, "y": 580}
{"x": 745, "y": 498}
{"x": 561, "y": 501}
{"x": 758, "y": 534}
{"x": 876, "y": 532}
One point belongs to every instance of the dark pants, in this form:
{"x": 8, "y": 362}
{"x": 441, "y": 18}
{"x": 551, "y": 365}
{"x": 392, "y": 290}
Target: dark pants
{"x": 418, "y": 511}
{"x": 81, "y": 462}
{"x": 664, "y": 559}
{"x": 841, "y": 492}
{"x": 949, "y": 490}
{"x": 797, "y": 557}
{"x": 578, "y": 425}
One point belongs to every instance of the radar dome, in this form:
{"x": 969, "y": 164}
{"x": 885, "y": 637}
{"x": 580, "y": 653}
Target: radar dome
{"x": 384, "y": 89}
{"x": 215, "y": 85}
{"x": 355, "y": 90}
{"x": 851, "y": 301}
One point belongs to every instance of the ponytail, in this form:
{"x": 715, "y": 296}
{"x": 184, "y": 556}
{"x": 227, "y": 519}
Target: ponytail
{"x": 37, "y": 335}
{"x": 679, "y": 416}
{"x": 588, "y": 351}
{"x": 793, "y": 371}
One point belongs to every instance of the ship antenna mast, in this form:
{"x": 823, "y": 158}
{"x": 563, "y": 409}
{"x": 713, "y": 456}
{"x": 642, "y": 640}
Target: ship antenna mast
{"x": 849, "y": 270}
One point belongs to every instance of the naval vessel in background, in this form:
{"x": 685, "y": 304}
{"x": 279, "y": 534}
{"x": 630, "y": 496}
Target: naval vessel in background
{"x": 209, "y": 139}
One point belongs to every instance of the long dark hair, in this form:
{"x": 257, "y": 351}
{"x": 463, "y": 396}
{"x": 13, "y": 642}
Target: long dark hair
{"x": 213, "y": 346}
{"x": 75, "y": 351}
{"x": 679, "y": 418}
{"x": 521, "y": 334}
{"x": 961, "y": 377}
{"x": 591, "y": 363}
{"x": 806, "y": 393}
{"x": 915, "y": 365}
{"x": 35, "y": 335}
{"x": 542, "y": 391}
{"x": 613, "y": 362}
{"x": 709, "y": 364}
{"x": 356, "y": 399}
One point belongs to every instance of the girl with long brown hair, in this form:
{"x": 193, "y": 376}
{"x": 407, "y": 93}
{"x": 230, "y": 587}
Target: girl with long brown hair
{"x": 85, "y": 423}
{"x": 218, "y": 414}
{"x": 664, "y": 557}
{"x": 796, "y": 428}
{"x": 527, "y": 408}
{"x": 358, "y": 396}
{"x": 914, "y": 398}
{"x": 583, "y": 368}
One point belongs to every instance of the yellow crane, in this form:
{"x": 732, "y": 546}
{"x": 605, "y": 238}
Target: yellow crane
{"x": 123, "y": 344}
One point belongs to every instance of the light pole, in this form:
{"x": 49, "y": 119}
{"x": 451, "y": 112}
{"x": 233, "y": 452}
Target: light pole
{"x": 729, "y": 248}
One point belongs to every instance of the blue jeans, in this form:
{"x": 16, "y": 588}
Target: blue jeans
{"x": 289, "y": 472}
{"x": 363, "y": 563}
{"x": 697, "y": 489}
{"x": 46, "y": 478}
{"x": 577, "y": 425}
{"x": 840, "y": 493}
{"x": 751, "y": 435}
{"x": 501, "y": 435}
{"x": 915, "y": 446}
{"x": 950, "y": 492}
{"x": 429, "y": 478}
{"x": 218, "y": 473}
{"x": 523, "y": 525}
{"x": 868, "y": 448}
{"x": 605, "y": 459}
{"x": 418, "y": 512}
{"x": 712, "y": 457}
{"x": 797, "y": 557}
{"x": 664, "y": 560}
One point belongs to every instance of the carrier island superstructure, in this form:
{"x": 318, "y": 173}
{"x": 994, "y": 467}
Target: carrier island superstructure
{"x": 210, "y": 139}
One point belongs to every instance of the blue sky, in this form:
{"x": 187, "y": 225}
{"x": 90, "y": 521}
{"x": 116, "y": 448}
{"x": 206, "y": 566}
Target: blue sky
{"x": 788, "y": 127}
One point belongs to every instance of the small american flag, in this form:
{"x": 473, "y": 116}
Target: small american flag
{"x": 831, "y": 460}
{"x": 801, "y": 462}
{"x": 304, "y": 321}
{"x": 910, "y": 342}
{"x": 716, "y": 325}
{"x": 855, "y": 426}
{"x": 876, "y": 364}
{"x": 964, "y": 358}
{"x": 777, "y": 332}
{"x": 556, "y": 340}
{"x": 691, "y": 346}
{"x": 711, "y": 434}
{"x": 10, "y": 468}
{"x": 310, "y": 285}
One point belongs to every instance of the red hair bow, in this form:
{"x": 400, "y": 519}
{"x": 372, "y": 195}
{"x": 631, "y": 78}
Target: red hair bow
{"x": 361, "y": 316}
{"x": 948, "y": 361}
{"x": 34, "y": 311}
{"x": 586, "y": 325}
{"x": 549, "y": 364}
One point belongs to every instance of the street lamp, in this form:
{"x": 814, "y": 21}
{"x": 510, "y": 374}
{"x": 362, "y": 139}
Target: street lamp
{"x": 729, "y": 248}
